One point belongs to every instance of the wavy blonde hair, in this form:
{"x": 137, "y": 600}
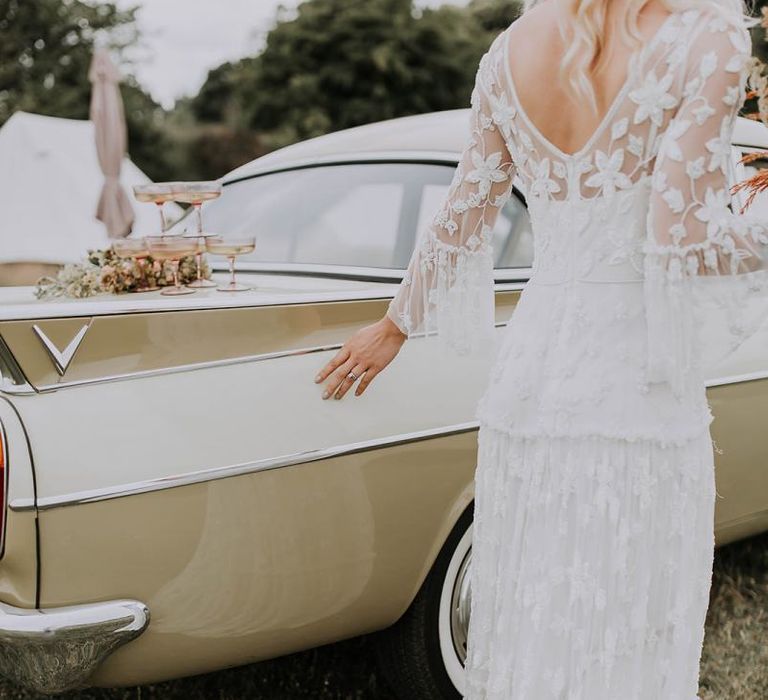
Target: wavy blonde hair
{"x": 583, "y": 27}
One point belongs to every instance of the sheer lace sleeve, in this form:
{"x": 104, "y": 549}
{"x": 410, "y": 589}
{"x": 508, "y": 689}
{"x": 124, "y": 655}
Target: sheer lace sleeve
{"x": 447, "y": 289}
{"x": 706, "y": 269}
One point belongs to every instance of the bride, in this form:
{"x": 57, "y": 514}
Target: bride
{"x": 594, "y": 489}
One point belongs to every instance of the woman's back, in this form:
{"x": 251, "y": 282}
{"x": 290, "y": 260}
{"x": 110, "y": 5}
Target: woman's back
{"x": 638, "y": 202}
{"x": 537, "y": 72}
{"x": 689, "y": 62}
{"x": 638, "y": 191}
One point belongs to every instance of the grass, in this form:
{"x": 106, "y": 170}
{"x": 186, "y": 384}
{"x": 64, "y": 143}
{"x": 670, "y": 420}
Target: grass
{"x": 734, "y": 662}
{"x": 735, "y": 657}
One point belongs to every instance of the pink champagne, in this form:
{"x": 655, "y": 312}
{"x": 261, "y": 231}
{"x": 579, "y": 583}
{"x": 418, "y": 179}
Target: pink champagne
{"x": 229, "y": 249}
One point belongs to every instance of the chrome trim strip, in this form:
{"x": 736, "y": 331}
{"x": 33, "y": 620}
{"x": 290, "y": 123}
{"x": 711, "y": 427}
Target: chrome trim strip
{"x": 386, "y": 275}
{"x": 216, "y": 473}
{"x": 745, "y": 519}
{"x": 393, "y": 156}
{"x": 12, "y": 379}
{"x": 148, "y": 486}
{"x": 47, "y": 388}
{"x": 5, "y": 465}
{"x": 390, "y": 275}
{"x": 16, "y": 390}
{"x": 57, "y": 649}
{"x": 737, "y": 378}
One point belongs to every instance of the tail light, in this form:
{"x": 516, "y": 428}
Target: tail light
{"x": 3, "y": 488}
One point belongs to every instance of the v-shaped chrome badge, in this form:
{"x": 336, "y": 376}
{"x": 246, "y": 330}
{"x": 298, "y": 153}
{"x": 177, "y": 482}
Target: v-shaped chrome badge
{"x": 61, "y": 358}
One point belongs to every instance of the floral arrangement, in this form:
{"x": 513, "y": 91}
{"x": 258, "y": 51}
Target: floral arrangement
{"x": 758, "y": 83}
{"x": 104, "y": 271}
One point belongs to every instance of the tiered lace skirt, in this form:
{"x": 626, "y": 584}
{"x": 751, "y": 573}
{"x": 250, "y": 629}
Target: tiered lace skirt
{"x": 591, "y": 567}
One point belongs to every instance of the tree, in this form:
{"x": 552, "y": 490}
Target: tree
{"x": 149, "y": 142}
{"x": 495, "y": 15}
{"x": 211, "y": 101}
{"x": 46, "y": 50}
{"x": 45, "y": 53}
{"x": 221, "y": 97}
{"x": 334, "y": 64}
{"x": 339, "y": 64}
{"x": 759, "y": 39}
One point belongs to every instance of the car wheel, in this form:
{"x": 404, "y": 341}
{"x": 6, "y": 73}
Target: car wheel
{"x": 422, "y": 655}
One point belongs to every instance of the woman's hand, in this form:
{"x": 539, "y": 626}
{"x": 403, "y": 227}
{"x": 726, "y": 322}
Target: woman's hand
{"x": 365, "y": 354}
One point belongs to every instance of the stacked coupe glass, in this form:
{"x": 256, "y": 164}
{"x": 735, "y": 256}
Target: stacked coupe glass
{"x": 172, "y": 247}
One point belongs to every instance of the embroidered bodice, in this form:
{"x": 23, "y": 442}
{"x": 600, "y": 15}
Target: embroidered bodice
{"x": 645, "y": 201}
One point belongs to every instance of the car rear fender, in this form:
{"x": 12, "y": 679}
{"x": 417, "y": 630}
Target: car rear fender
{"x": 19, "y": 565}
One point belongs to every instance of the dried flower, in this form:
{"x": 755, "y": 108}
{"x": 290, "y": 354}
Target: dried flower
{"x": 758, "y": 90}
{"x": 754, "y": 185}
{"x": 103, "y": 271}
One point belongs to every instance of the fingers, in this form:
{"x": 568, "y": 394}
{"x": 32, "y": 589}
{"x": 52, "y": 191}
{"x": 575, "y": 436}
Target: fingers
{"x": 341, "y": 356}
{"x": 358, "y": 370}
{"x": 337, "y": 376}
{"x": 365, "y": 354}
{"x": 365, "y": 380}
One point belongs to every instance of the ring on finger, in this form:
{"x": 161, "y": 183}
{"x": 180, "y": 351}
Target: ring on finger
{"x": 350, "y": 377}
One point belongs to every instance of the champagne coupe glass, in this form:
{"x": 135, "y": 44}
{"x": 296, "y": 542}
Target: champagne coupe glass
{"x": 172, "y": 248}
{"x": 195, "y": 193}
{"x": 231, "y": 247}
{"x": 137, "y": 249}
{"x": 157, "y": 192}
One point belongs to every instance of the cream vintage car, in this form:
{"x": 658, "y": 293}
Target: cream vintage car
{"x": 179, "y": 499}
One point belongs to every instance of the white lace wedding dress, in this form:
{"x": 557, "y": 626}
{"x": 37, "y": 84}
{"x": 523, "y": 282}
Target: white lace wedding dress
{"x": 594, "y": 490}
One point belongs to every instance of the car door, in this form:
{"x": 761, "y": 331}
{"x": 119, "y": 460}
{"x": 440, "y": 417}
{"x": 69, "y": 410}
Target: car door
{"x": 738, "y": 394}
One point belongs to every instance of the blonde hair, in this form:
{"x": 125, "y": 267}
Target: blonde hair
{"x": 583, "y": 26}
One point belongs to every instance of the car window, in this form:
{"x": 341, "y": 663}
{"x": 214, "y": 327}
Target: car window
{"x": 359, "y": 214}
{"x": 513, "y": 236}
{"x": 355, "y": 214}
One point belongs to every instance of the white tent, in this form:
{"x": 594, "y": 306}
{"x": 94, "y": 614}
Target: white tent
{"x": 50, "y": 182}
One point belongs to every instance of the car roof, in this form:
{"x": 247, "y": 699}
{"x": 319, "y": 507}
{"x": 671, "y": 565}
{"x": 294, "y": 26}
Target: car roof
{"x": 439, "y": 132}
{"x": 436, "y": 131}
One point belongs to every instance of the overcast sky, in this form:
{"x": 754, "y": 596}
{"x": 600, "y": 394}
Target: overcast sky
{"x": 184, "y": 39}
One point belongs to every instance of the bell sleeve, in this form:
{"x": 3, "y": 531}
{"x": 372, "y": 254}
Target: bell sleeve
{"x": 447, "y": 291}
{"x": 706, "y": 267}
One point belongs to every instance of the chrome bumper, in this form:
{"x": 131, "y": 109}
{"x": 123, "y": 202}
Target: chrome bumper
{"x": 57, "y": 649}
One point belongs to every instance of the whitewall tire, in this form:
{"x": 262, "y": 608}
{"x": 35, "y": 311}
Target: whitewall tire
{"x": 422, "y": 655}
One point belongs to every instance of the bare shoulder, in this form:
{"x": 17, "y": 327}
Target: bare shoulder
{"x": 534, "y": 25}
{"x": 535, "y": 43}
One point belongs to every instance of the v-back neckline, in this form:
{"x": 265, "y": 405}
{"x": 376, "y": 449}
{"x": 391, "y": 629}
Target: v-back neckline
{"x": 614, "y": 105}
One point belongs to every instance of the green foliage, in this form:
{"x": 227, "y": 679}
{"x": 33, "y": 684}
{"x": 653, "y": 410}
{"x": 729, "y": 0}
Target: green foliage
{"x": 223, "y": 95}
{"x": 212, "y": 100}
{"x": 46, "y": 50}
{"x": 340, "y": 64}
{"x": 337, "y": 64}
{"x": 149, "y": 142}
{"x": 495, "y": 15}
{"x": 215, "y": 149}
{"x": 759, "y": 35}
{"x": 45, "y": 53}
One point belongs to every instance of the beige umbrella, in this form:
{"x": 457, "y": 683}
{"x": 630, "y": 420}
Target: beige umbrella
{"x": 114, "y": 207}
